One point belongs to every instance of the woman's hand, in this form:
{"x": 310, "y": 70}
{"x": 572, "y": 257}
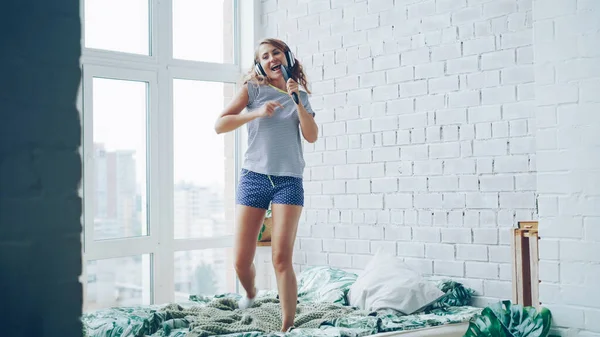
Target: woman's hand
{"x": 268, "y": 109}
{"x": 292, "y": 87}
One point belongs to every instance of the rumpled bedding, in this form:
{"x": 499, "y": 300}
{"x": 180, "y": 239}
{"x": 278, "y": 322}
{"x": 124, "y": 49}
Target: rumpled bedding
{"x": 323, "y": 311}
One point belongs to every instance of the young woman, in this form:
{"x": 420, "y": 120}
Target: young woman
{"x": 273, "y": 165}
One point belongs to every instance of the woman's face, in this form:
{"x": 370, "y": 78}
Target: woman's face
{"x": 271, "y": 58}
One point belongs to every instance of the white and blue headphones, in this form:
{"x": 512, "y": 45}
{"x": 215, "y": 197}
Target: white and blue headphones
{"x": 289, "y": 56}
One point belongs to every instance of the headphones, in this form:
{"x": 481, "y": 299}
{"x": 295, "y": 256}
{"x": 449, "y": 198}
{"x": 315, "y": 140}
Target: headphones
{"x": 289, "y": 56}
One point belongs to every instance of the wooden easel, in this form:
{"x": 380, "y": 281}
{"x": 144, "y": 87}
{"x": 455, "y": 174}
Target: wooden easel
{"x": 526, "y": 264}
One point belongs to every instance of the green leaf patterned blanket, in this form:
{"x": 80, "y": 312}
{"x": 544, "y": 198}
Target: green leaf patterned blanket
{"x": 220, "y": 317}
{"x": 322, "y": 312}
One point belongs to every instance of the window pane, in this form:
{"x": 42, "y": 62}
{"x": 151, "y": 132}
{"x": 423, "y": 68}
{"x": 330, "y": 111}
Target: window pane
{"x": 203, "y": 30}
{"x": 117, "y": 25}
{"x": 123, "y": 281}
{"x": 119, "y": 114}
{"x": 203, "y": 161}
{"x": 204, "y": 272}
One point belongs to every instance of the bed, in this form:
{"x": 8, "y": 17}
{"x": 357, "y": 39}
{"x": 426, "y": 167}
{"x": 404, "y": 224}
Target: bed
{"x": 323, "y": 311}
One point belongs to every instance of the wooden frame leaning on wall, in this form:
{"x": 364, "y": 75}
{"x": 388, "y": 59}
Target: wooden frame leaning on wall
{"x": 525, "y": 264}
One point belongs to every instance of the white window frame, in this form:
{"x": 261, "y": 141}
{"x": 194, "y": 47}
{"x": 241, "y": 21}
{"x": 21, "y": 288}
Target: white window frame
{"x": 158, "y": 70}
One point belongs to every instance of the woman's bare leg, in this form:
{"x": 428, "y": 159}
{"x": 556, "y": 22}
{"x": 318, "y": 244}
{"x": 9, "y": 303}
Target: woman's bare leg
{"x": 249, "y": 221}
{"x": 283, "y": 236}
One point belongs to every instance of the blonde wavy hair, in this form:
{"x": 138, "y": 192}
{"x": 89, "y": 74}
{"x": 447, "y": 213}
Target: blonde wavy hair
{"x": 297, "y": 73}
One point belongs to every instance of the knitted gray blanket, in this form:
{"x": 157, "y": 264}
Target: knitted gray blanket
{"x": 222, "y": 316}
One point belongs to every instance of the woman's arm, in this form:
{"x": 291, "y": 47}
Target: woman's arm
{"x": 308, "y": 125}
{"x": 231, "y": 119}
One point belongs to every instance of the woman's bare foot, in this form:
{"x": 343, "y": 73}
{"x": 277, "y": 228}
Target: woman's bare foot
{"x": 287, "y": 329}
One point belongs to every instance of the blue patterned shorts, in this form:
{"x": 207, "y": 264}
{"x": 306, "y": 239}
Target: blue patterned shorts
{"x": 259, "y": 190}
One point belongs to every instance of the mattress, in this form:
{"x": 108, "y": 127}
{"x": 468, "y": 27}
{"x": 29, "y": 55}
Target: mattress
{"x": 449, "y": 330}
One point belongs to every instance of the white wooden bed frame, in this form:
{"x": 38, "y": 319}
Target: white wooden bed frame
{"x": 447, "y": 330}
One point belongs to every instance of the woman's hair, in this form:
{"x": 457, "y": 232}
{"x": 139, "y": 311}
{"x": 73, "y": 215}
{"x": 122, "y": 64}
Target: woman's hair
{"x": 297, "y": 72}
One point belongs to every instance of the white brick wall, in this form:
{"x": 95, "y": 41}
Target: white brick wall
{"x": 434, "y": 121}
{"x": 426, "y": 146}
{"x": 567, "y": 55}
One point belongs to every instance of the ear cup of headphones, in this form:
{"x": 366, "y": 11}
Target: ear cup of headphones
{"x": 291, "y": 61}
{"x": 259, "y": 69}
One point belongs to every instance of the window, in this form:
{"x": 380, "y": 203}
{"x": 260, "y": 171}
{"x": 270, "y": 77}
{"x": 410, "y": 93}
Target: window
{"x": 203, "y": 272}
{"x": 159, "y": 184}
{"x": 130, "y": 286}
{"x": 119, "y": 147}
{"x": 115, "y": 25}
{"x": 200, "y": 160}
{"x": 202, "y": 30}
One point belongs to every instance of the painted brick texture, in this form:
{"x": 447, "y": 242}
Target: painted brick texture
{"x": 443, "y": 123}
{"x": 427, "y": 149}
{"x": 567, "y": 72}
{"x": 40, "y": 169}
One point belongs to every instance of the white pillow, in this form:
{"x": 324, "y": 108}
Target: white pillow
{"x": 389, "y": 283}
